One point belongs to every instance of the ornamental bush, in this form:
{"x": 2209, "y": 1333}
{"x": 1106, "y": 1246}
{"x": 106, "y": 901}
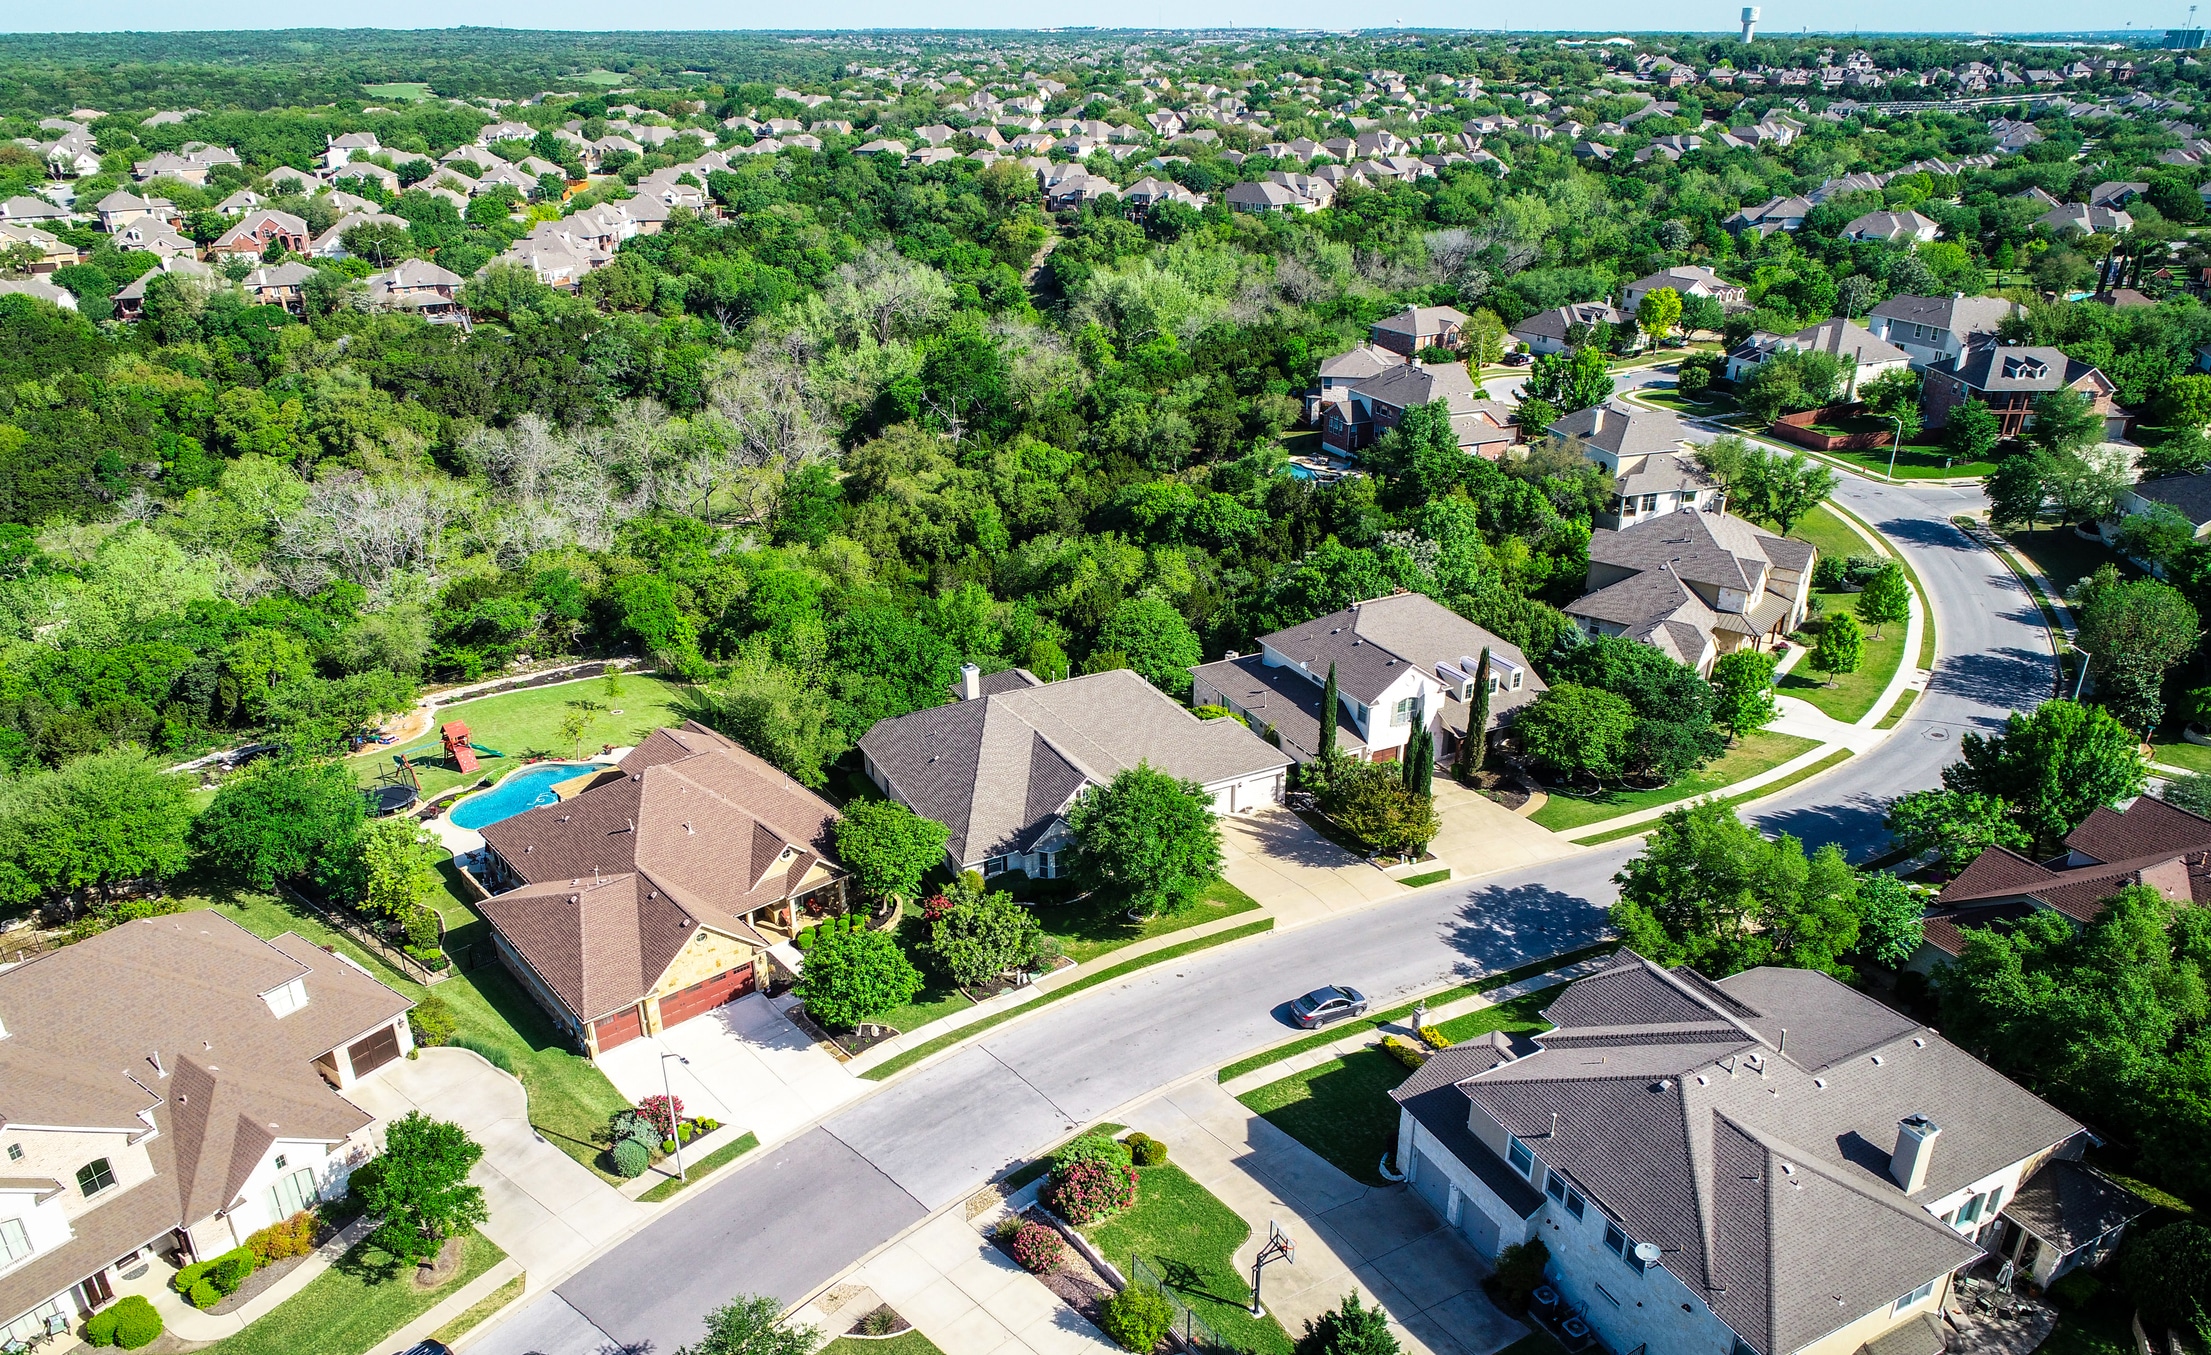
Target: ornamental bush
{"x": 1090, "y": 1148}
{"x": 1138, "y": 1317}
{"x": 137, "y": 1322}
{"x": 292, "y": 1237}
{"x": 662, "y": 1112}
{"x": 203, "y": 1295}
{"x": 631, "y": 1158}
{"x": 433, "y": 1020}
{"x": 1411, "y": 1055}
{"x": 1146, "y": 1150}
{"x": 1434, "y": 1038}
{"x": 850, "y": 977}
{"x": 1039, "y": 1249}
{"x": 1093, "y": 1190}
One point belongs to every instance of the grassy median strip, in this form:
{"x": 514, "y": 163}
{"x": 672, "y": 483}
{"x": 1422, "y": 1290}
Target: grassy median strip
{"x": 482, "y": 1308}
{"x": 1756, "y": 793}
{"x": 901, "y": 1062}
{"x": 1488, "y": 983}
{"x": 1433, "y": 877}
{"x": 705, "y": 1166}
{"x": 1897, "y": 712}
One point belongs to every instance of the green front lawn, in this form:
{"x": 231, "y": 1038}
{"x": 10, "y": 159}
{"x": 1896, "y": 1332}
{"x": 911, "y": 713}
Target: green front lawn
{"x": 1852, "y": 694}
{"x": 1832, "y": 536}
{"x": 1913, "y": 462}
{"x": 364, "y": 1296}
{"x": 2175, "y": 751}
{"x": 905, "y": 1343}
{"x": 2064, "y": 558}
{"x": 570, "y": 1100}
{"x": 1340, "y": 1109}
{"x": 1092, "y": 927}
{"x": 1754, "y": 753}
{"x": 527, "y": 724}
{"x": 1190, "y": 1238}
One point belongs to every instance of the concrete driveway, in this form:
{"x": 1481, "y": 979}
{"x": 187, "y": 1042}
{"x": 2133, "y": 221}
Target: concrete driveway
{"x": 748, "y": 1067}
{"x": 1480, "y": 835}
{"x": 547, "y": 1210}
{"x": 1294, "y": 872}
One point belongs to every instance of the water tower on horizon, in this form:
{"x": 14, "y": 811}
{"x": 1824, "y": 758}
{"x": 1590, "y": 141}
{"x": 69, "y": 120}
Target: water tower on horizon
{"x": 1750, "y": 21}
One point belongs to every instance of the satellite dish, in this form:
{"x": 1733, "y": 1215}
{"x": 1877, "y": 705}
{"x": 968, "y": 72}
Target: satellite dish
{"x": 1647, "y": 1253}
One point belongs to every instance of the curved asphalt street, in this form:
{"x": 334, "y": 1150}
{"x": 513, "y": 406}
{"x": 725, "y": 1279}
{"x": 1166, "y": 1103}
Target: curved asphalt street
{"x": 801, "y": 1213}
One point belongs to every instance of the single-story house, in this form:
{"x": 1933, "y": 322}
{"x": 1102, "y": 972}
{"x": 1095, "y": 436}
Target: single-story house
{"x": 645, "y": 896}
{"x": 1395, "y": 657}
{"x": 1001, "y": 766}
{"x": 1702, "y": 1182}
{"x": 2009, "y": 379}
{"x": 1905, "y": 227}
{"x": 1695, "y": 585}
{"x": 1779, "y": 214}
{"x": 2079, "y": 216}
{"x": 173, "y": 1084}
{"x": 2187, "y": 495}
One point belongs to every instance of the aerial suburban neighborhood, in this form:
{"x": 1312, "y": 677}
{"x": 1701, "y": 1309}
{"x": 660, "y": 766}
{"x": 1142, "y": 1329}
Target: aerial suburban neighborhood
{"x": 1225, "y": 687}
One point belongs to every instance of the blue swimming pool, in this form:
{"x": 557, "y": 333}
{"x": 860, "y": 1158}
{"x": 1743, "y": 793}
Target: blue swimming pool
{"x": 526, "y": 789}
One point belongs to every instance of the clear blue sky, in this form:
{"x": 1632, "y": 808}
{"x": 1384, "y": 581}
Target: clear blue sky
{"x": 1831, "y": 15}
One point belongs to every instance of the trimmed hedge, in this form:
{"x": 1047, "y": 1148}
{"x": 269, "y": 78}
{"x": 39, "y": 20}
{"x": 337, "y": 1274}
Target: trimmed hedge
{"x": 130, "y": 1322}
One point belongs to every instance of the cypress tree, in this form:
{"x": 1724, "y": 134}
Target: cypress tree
{"x": 1328, "y": 716}
{"x": 1475, "y": 750}
{"x": 1420, "y": 762}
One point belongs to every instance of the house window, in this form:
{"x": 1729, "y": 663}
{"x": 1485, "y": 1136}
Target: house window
{"x": 1522, "y": 1160}
{"x": 1650, "y": 503}
{"x": 292, "y": 1193}
{"x": 280, "y": 1162}
{"x": 95, "y": 1176}
{"x": 1615, "y": 1240}
{"x": 1916, "y": 1296}
{"x": 995, "y": 865}
{"x": 15, "y": 1241}
{"x": 1575, "y": 1205}
{"x": 1557, "y": 1188}
{"x": 15, "y": 1152}
{"x": 1402, "y": 712}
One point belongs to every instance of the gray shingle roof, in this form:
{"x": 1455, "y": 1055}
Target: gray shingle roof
{"x": 1759, "y": 1168}
{"x": 2015, "y": 369}
{"x": 2071, "y": 1204}
{"x": 1960, "y": 315}
{"x": 996, "y": 770}
{"x": 1372, "y": 642}
{"x": 1625, "y": 431}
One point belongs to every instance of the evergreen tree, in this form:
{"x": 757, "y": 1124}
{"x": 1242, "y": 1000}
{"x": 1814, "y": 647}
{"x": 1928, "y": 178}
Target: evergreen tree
{"x": 1328, "y": 716}
{"x": 1474, "y": 748}
{"x": 1420, "y": 762}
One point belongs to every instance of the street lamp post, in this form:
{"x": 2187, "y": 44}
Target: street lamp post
{"x": 1894, "y": 443}
{"x": 675, "y": 1121}
{"x": 2080, "y": 679}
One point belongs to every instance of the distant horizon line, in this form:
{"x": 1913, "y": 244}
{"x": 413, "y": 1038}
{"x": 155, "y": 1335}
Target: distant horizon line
{"x": 2083, "y": 34}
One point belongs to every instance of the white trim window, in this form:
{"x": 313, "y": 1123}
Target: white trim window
{"x": 292, "y": 1193}
{"x": 1521, "y": 1159}
{"x": 15, "y": 1241}
{"x": 1918, "y": 1295}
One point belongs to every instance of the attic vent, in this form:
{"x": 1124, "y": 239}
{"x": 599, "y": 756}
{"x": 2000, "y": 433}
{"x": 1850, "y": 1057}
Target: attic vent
{"x": 687, "y": 828}
{"x": 1820, "y": 1082}
{"x": 1703, "y": 1081}
{"x": 1918, "y": 1043}
{"x": 1876, "y": 1060}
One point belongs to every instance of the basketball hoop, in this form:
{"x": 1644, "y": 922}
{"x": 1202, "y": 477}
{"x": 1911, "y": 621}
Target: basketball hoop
{"x": 1279, "y": 1247}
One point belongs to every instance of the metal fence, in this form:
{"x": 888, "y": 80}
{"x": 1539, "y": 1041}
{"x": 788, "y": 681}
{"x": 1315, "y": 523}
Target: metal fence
{"x": 368, "y": 940}
{"x": 1190, "y": 1331}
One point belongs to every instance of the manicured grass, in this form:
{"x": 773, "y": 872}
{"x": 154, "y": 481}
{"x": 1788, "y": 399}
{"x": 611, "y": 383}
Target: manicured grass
{"x": 1030, "y": 1171}
{"x": 905, "y": 1343}
{"x": 1433, "y": 877}
{"x": 1092, "y": 927}
{"x": 475, "y": 1314}
{"x": 1190, "y": 1238}
{"x": 1487, "y": 983}
{"x": 1898, "y": 711}
{"x": 1852, "y": 694}
{"x": 2180, "y": 753}
{"x": 1830, "y": 534}
{"x": 410, "y": 92}
{"x": 1668, "y": 398}
{"x": 570, "y": 1100}
{"x": 1914, "y": 460}
{"x": 2064, "y": 558}
{"x": 910, "y": 1057}
{"x": 1757, "y": 752}
{"x": 939, "y": 996}
{"x": 365, "y": 1296}
{"x": 1521, "y": 1016}
{"x": 701, "y": 1169}
{"x": 1340, "y": 1109}
{"x": 1804, "y": 773}
{"x": 526, "y": 724}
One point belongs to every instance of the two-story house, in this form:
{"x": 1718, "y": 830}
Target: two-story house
{"x": 1563, "y": 327}
{"x": 1689, "y": 280}
{"x": 644, "y": 896}
{"x": 1863, "y": 354}
{"x": 2009, "y": 379}
{"x": 1934, "y": 329}
{"x": 257, "y": 230}
{"x": 1401, "y": 661}
{"x": 1650, "y": 454}
{"x": 1003, "y": 763}
{"x": 172, "y": 1085}
{"x": 1694, "y": 584}
{"x": 1768, "y": 1164}
{"x": 1371, "y": 406}
{"x": 122, "y": 208}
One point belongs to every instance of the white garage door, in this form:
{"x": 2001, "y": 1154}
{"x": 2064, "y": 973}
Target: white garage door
{"x": 1430, "y": 1184}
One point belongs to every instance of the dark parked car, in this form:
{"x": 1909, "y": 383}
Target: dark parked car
{"x": 430, "y": 1348}
{"x": 1324, "y": 1005}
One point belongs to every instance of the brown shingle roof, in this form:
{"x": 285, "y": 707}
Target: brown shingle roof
{"x": 601, "y": 946}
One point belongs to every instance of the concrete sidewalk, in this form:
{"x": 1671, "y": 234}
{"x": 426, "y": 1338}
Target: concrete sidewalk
{"x": 1380, "y": 1242}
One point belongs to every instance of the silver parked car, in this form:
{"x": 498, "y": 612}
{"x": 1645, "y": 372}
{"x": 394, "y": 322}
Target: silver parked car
{"x": 1323, "y": 1005}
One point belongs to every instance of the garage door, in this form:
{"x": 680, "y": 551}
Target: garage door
{"x": 371, "y": 1052}
{"x": 618, "y": 1029}
{"x": 1431, "y": 1184}
{"x": 685, "y": 1003}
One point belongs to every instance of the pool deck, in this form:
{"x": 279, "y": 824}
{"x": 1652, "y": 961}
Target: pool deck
{"x": 461, "y": 841}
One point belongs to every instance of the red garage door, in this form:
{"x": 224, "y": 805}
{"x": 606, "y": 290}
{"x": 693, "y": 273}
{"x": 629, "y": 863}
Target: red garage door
{"x": 618, "y": 1029}
{"x": 373, "y": 1051}
{"x": 685, "y": 1003}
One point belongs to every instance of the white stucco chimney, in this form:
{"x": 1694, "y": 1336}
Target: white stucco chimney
{"x": 971, "y": 682}
{"x": 1915, "y": 1151}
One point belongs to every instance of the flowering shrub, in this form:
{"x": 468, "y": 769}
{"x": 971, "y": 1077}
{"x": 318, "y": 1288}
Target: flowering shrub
{"x": 1411, "y": 1055}
{"x": 1089, "y": 1148}
{"x": 935, "y": 907}
{"x": 656, "y": 1111}
{"x": 1092, "y": 1190}
{"x": 1039, "y": 1249}
{"x": 1434, "y": 1037}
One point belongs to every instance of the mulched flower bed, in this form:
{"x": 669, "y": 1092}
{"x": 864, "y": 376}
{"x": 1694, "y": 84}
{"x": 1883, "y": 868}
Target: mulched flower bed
{"x": 882, "y": 1320}
{"x": 1075, "y": 1283}
{"x": 847, "y": 1044}
{"x": 262, "y": 1279}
